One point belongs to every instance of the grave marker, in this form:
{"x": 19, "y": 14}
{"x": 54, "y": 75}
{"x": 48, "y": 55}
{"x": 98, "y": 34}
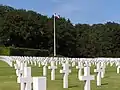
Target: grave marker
{"x": 98, "y": 70}
{"x": 66, "y": 72}
{"x": 26, "y": 79}
{"x": 39, "y": 83}
{"x": 79, "y": 67}
{"x": 52, "y": 67}
{"x": 87, "y": 77}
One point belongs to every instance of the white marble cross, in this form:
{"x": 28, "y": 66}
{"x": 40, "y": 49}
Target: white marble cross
{"x": 52, "y": 67}
{"x": 98, "y": 70}
{"x": 66, "y": 72}
{"x": 25, "y": 64}
{"x": 73, "y": 63}
{"x": 39, "y": 64}
{"x": 79, "y": 67}
{"x": 56, "y": 63}
{"x": 20, "y": 72}
{"x": 35, "y": 63}
{"x": 118, "y": 69}
{"x": 87, "y": 77}
{"x": 45, "y": 69}
{"x": 17, "y": 67}
{"x": 26, "y": 79}
{"x": 103, "y": 66}
{"x": 111, "y": 63}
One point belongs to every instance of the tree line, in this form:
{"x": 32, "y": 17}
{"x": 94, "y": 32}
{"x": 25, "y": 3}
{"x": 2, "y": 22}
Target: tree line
{"x": 29, "y": 29}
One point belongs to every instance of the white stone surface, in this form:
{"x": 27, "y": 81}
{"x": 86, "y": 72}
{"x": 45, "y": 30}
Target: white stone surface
{"x": 52, "y": 67}
{"x": 87, "y": 77}
{"x": 103, "y": 66}
{"x": 66, "y": 72}
{"x": 79, "y": 67}
{"x": 45, "y": 70}
{"x": 26, "y": 79}
{"x": 118, "y": 69}
{"x": 39, "y": 83}
{"x": 98, "y": 70}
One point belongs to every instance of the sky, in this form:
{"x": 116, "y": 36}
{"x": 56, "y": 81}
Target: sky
{"x": 78, "y": 11}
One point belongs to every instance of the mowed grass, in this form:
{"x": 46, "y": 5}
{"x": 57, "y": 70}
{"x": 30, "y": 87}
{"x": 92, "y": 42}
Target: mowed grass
{"x": 8, "y": 79}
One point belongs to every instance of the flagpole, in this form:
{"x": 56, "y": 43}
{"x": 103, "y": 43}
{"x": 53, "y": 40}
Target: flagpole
{"x": 54, "y": 38}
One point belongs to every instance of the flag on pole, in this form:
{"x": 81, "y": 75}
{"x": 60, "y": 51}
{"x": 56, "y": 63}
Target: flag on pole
{"x": 56, "y": 16}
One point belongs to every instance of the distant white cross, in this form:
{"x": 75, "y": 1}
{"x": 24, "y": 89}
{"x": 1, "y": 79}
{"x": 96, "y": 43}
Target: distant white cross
{"x": 35, "y": 63}
{"x": 39, "y": 64}
{"x": 118, "y": 69}
{"x": 52, "y": 67}
{"x": 73, "y": 64}
{"x": 79, "y": 67}
{"x": 66, "y": 72}
{"x": 103, "y": 66}
{"x": 99, "y": 70}
{"x": 45, "y": 69}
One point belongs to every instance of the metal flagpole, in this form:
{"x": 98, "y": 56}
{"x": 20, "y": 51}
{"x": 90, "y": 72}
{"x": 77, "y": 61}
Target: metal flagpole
{"x": 54, "y": 38}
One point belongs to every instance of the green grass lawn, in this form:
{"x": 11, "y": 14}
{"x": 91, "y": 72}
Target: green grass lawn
{"x": 110, "y": 82}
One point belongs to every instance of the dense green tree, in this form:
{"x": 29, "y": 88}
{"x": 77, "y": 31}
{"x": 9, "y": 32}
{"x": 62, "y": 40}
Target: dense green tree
{"x": 29, "y": 29}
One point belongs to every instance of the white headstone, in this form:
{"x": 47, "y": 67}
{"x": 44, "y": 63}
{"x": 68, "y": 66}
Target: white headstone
{"x": 39, "y": 83}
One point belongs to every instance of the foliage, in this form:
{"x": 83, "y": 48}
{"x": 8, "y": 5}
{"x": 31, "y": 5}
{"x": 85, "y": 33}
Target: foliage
{"x": 28, "y": 52}
{"x": 4, "y": 51}
{"x": 29, "y": 29}
{"x": 11, "y": 51}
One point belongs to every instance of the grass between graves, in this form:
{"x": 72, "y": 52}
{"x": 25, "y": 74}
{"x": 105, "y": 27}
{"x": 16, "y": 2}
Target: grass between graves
{"x": 110, "y": 82}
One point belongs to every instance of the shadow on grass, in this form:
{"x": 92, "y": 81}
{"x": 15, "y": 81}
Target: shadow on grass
{"x": 73, "y": 86}
{"x": 106, "y": 76}
{"x": 59, "y": 79}
{"x": 104, "y": 84}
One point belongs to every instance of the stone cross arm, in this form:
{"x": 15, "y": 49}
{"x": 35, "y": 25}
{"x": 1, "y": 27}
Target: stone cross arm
{"x": 65, "y": 71}
{"x": 98, "y": 70}
{"x": 16, "y": 66}
{"x": 19, "y": 72}
{"x": 79, "y": 67}
{"x": 24, "y": 79}
{"x": 87, "y": 77}
{"x": 52, "y": 67}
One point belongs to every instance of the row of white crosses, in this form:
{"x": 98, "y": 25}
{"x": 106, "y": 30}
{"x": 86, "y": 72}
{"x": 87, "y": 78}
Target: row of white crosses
{"x": 25, "y": 79}
{"x": 66, "y": 74}
{"x": 82, "y": 63}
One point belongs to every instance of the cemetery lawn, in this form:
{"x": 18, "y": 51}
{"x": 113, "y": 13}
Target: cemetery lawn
{"x": 8, "y": 79}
